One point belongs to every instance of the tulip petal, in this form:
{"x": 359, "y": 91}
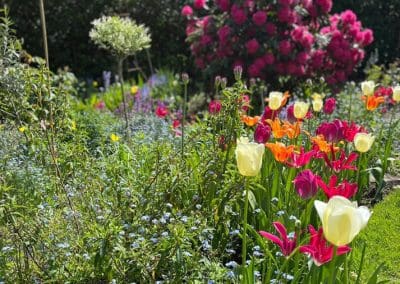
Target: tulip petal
{"x": 272, "y": 238}
{"x": 281, "y": 230}
{"x": 320, "y": 207}
{"x": 364, "y": 215}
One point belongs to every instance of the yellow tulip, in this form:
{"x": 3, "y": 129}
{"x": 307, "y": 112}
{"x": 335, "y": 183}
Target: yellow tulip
{"x": 300, "y": 109}
{"x": 367, "y": 88}
{"x": 275, "y": 100}
{"x": 317, "y": 102}
{"x": 396, "y": 94}
{"x": 249, "y": 157}
{"x": 363, "y": 142}
{"x": 342, "y": 219}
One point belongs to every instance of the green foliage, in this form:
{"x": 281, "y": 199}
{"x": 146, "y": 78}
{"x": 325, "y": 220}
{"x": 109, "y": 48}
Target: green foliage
{"x": 380, "y": 238}
{"x": 121, "y": 36}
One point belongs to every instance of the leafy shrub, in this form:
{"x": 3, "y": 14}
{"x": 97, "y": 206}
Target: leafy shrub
{"x": 287, "y": 38}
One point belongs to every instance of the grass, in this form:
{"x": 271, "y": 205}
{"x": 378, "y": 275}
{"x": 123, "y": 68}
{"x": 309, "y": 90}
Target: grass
{"x": 381, "y": 238}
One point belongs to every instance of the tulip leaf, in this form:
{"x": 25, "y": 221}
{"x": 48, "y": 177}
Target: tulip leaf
{"x": 252, "y": 200}
{"x": 374, "y": 277}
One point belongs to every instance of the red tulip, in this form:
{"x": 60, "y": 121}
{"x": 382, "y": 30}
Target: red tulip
{"x": 344, "y": 189}
{"x": 330, "y": 105}
{"x": 161, "y": 111}
{"x": 286, "y": 244}
{"x": 318, "y": 248}
{"x": 343, "y": 163}
{"x": 301, "y": 159}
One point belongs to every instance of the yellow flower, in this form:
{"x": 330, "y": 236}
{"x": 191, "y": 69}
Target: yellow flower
{"x": 275, "y": 100}
{"x": 367, "y": 88}
{"x": 73, "y": 125}
{"x": 249, "y": 157}
{"x": 22, "y": 129}
{"x": 363, "y": 142}
{"x": 114, "y": 137}
{"x": 341, "y": 219}
{"x": 317, "y": 102}
{"x": 300, "y": 109}
{"x": 134, "y": 90}
{"x": 95, "y": 84}
{"x": 396, "y": 94}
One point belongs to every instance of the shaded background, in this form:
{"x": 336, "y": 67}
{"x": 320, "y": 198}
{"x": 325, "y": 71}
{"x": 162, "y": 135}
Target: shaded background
{"x": 69, "y": 22}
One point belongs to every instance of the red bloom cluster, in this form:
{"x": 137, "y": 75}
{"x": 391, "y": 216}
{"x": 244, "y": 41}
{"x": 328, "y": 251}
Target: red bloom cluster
{"x": 338, "y": 130}
{"x": 275, "y": 39}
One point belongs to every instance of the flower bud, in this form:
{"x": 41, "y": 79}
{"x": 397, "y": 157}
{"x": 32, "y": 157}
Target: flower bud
{"x": 317, "y": 102}
{"x": 367, "y": 88}
{"x": 329, "y": 106}
{"x": 237, "y": 71}
{"x": 262, "y": 133}
{"x": 224, "y": 82}
{"x": 300, "y": 109}
{"x": 217, "y": 81}
{"x": 185, "y": 78}
{"x": 363, "y": 142}
{"x": 275, "y": 100}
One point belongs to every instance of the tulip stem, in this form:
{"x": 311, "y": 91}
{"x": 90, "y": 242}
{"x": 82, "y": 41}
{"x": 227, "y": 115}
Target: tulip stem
{"x": 333, "y": 268}
{"x": 244, "y": 238}
{"x": 183, "y": 119}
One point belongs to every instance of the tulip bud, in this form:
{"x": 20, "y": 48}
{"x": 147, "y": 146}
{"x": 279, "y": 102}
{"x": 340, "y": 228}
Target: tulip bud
{"x": 396, "y": 94}
{"x": 330, "y": 105}
{"x": 214, "y": 107}
{"x": 341, "y": 219}
{"x": 217, "y": 81}
{"x": 306, "y": 184}
{"x": 300, "y": 109}
{"x": 368, "y": 88}
{"x": 275, "y": 100}
{"x": 363, "y": 142}
{"x": 249, "y": 157}
{"x": 317, "y": 102}
{"x": 262, "y": 133}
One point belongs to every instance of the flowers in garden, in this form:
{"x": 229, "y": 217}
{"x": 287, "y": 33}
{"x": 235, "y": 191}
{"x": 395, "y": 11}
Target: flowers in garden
{"x": 114, "y": 137}
{"x": 214, "y": 107}
{"x": 396, "y": 94}
{"x": 161, "y": 111}
{"x": 275, "y": 100}
{"x": 281, "y": 152}
{"x": 331, "y": 189}
{"x": 262, "y": 133}
{"x": 341, "y": 219}
{"x": 249, "y": 157}
{"x": 367, "y": 88}
{"x": 329, "y": 106}
{"x": 363, "y": 142}
{"x": 317, "y": 102}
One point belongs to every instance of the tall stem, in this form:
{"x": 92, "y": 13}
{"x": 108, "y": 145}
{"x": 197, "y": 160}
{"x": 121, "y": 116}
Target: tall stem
{"x": 244, "y": 239}
{"x": 121, "y": 81}
{"x": 44, "y": 32}
{"x": 183, "y": 118}
{"x": 149, "y": 61}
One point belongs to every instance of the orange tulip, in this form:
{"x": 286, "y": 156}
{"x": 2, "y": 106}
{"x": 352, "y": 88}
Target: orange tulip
{"x": 285, "y": 98}
{"x": 277, "y": 130}
{"x": 322, "y": 144}
{"x": 292, "y": 130}
{"x": 372, "y": 102}
{"x": 280, "y": 151}
{"x": 249, "y": 120}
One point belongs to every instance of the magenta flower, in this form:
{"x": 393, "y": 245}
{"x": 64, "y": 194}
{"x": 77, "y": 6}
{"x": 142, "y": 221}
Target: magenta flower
{"x": 259, "y": 18}
{"x": 214, "y": 107}
{"x": 343, "y": 163}
{"x": 187, "y": 11}
{"x": 269, "y": 114}
{"x": 290, "y": 114}
{"x": 223, "y": 4}
{"x": 199, "y": 4}
{"x": 161, "y": 111}
{"x": 318, "y": 248}
{"x": 306, "y": 184}
{"x": 286, "y": 244}
{"x": 252, "y": 46}
{"x": 332, "y": 131}
{"x": 344, "y": 189}
{"x": 298, "y": 160}
{"x": 262, "y": 133}
{"x": 329, "y": 106}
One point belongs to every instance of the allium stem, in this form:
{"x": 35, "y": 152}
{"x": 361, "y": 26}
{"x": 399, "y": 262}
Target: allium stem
{"x": 44, "y": 32}
{"x": 121, "y": 81}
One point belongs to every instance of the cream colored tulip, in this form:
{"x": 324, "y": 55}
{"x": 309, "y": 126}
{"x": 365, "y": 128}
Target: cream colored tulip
{"x": 249, "y": 157}
{"x": 317, "y": 102}
{"x": 275, "y": 100}
{"x": 300, "y": 109}
{"x": 363, "y": 142}
{"x": 367, "y": 88}
{"x": 396, "y": 94}
{"x": 342, "y": 219}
